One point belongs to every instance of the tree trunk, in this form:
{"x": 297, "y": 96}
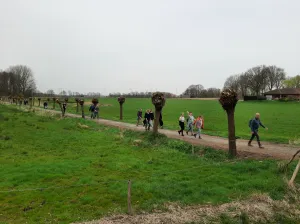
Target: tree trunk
{"x": 53, "y": 104}
{"x": 231, "y": 133}
{"x": 82, "y": 111}
{"x": 291, "y": 182}
{"x": 77, "y": 107}
{"x": 156, "y": 121}
{"x": 39, "y": 103}
{"x": 121, "y": 111}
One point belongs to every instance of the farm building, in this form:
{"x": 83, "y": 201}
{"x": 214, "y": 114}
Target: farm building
{"x": 285, "y": 92}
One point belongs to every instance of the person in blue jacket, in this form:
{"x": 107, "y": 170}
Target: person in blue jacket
{"x": 254, "y": 125}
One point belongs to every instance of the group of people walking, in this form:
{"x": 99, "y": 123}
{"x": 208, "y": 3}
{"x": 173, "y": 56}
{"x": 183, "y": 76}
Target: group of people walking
{"x": 148, "y": 119}
{"x": 192, "y": 122}
{"x": 94, "y": 109}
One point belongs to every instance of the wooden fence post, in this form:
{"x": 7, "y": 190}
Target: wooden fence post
{"x": 129, "y": 197}
{"x": 291, "y": 182}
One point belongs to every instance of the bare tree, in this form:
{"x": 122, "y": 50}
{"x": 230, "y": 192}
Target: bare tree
{"x": 233, "y": 82}
{"x": 50, "y": 92}
{"x": 228, "y": 100}
{"x": 121, "y": 101}
{"x": 257, "y": 79}
{"x": 24, "y": 77}
{"x": 158, "y": 100}
{"x": 244, "y": 84}
{"x": 274, "y": 76}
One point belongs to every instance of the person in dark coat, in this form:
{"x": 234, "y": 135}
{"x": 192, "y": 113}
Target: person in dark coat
{"x": 147, "y": 120}
{"x": 139, "y": 117}
{"x": 254, "y": 125}
{"x": 92, "y": 109}
{"x": 161, "y": 123}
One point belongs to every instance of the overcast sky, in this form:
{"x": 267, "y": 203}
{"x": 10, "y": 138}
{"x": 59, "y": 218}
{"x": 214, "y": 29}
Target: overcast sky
{"x": 138, "y": 45}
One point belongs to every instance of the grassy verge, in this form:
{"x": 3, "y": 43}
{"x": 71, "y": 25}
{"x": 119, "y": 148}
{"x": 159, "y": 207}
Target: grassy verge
{"x": 54, "y": 154}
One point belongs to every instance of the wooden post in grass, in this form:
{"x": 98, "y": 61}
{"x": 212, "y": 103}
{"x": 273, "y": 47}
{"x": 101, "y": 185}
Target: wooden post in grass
{"x": 121, "y": 101}
{"x": 291, "y": 182}
{"x": 81, "y": 102}
{"x": 158, "y": 100}
{"x": 129, "y": 198}
{"x": 228, "y": 100}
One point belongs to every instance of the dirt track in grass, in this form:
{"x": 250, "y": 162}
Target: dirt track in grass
{"x": 271, "y": 150}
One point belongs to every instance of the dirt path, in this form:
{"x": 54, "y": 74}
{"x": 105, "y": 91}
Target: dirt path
{"x": 271, "y": 150}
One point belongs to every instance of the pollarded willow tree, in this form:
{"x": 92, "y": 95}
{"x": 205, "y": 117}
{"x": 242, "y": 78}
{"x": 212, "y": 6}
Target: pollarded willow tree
{"x": 81, "y": 102}
{"x": 39, "y": 99}
{"x": 20, "y": 99}
{"x": 61, "y": 108}
{"x": 121, "y": 101}
{"x": 158, "y": 100}
{"x": 228, "y": 100}
{"x": 77, "y": 104}
{"x": 54, "y": 101}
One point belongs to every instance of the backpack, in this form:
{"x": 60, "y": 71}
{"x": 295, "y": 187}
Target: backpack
{"x": 250, "y": 123}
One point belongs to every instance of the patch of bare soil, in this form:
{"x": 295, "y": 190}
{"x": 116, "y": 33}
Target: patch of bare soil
{"x": 259, "y": 208}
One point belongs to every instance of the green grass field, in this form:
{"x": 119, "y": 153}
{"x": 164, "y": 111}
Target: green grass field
{"x": 280, "y": 117}
{"x": 48, "y": 152}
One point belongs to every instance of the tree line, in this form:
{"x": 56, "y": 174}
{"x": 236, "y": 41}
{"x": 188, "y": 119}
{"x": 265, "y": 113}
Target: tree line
{"x": 198, "y": 91}
{"x": 259, "y": 79}
{"x": 17, "y": 80}
{"x": 140, "y": 95}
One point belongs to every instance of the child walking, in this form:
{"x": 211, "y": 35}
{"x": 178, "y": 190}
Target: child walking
{"x": 198, "y": 125}
{"x": 190, "y": 123}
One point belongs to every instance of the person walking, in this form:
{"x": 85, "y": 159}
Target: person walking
{"x": 254, "y": 125}
{"x": 190, "y": 123}
{"x": 92, "y": 109}
{"x": 198, "y": 125}
{"x": 139, "y": 117}
{"x": 181, "y": 124}
{"x": 151, "y": 114}
{"x": 96, "y": 111}
{"x": 64, "y": 107}
{"x": 147, "y": 120}
{"x": 161, "y": 123}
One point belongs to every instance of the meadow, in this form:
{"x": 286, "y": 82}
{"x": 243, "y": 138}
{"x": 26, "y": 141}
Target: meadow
{"x": 280, "y": 117}
{"x": 65, "y": 170}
